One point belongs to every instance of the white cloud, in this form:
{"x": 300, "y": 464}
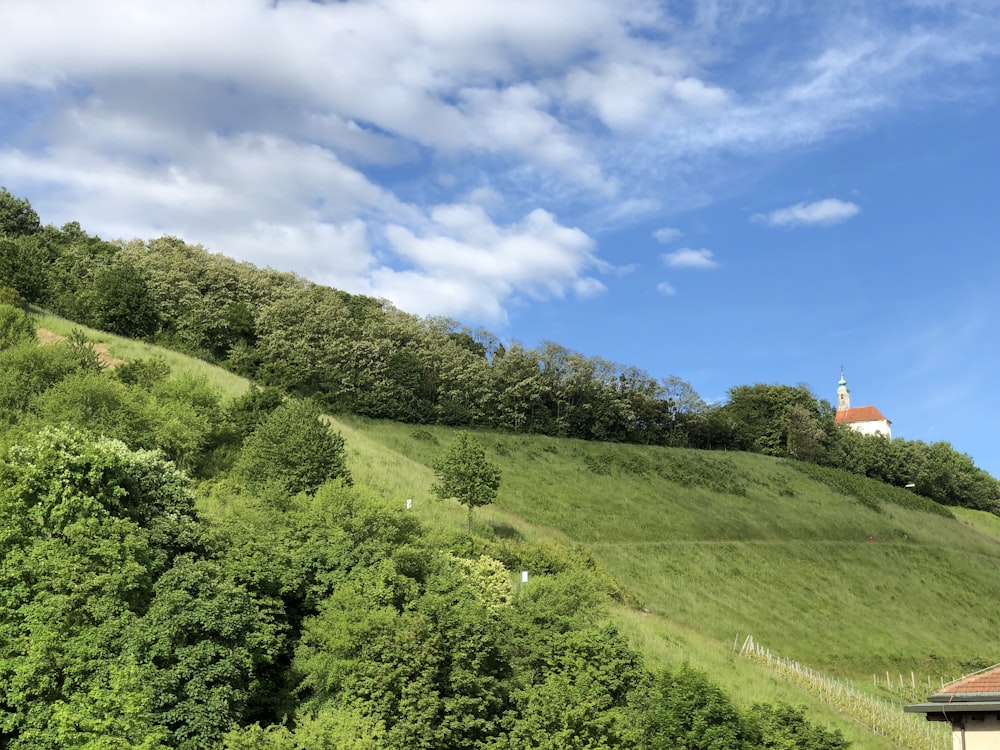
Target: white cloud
{"x": 635, "y": 208}
{"x": 687, "y": 257}
{"x": 819, "y": 213}
{"x": 666, "y": 288}
{"x": 421, "y": 151}
{"x": 476, "y": 265}
{"x": 667, "y": 234}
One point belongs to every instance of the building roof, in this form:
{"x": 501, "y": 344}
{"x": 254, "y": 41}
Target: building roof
{"x": 977, "y": 693}
{"x": 860, "y": 414}
{"x": 986, "y": 682}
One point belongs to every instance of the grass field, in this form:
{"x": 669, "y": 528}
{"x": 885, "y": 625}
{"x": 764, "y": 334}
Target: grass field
{"x": 229, "y": 384}
{"x": 731, "y": 544}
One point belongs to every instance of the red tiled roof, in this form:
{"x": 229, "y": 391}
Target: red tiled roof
{"x": 987, "y": 681}
{"x": 860, "y": 414}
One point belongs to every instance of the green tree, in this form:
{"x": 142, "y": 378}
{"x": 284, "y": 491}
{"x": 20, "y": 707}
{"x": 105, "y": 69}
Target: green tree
{"x": 12, "y": 297}
{"x": 17, "y": 217}
{"x": 85, "y": 528}
{"x": 123, "y": 304}
{"x": 15, "y": 327}
{"x": 98, "y": 403}
{"x": 24, "y": 265}
{"x": 247, "y": 412}
{"x": 520, "y": 394}
{"x": 464, "y": 473}
{"x": 28, "y": 370}
{"x": 784, "y": 727}
{"x": 306, "y": 340}
{"x": 777, "y": 420}
{"x": 202, "y": 645}
{"x": 76, "y": 262}
{"x": 421, "y": 655}
{"x": 687, "y": 712}
{"x": 292, "y": 451}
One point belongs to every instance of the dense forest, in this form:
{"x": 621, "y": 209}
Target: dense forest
{"x": 305, "y": 612}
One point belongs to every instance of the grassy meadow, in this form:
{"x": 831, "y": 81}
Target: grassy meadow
{"x": 119, "y": 347}
{"x": 731, "y": 544}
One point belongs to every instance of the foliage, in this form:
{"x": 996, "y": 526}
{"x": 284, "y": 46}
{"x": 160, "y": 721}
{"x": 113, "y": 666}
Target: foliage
{"x": 785, "y": 727}
{"x": 17, "y": 217}
{"x": 96, "y": 402}
{"x": 249, "y": 411}
{"x": 123, "y": 304}
{"x": 23, "y": 265}
{"x": 777, "y": 420}
{"x": 870, "y": 492}
{"x": 292, "y": 451}
{"x": 687, "y": 712}
{"x": 146, "y": 373}
{"x": 15, "y": 327}
{"x": 202, "y": 643}
{"x": 464, "y": 473}
{"x": 332, "y": 728}
{"x": 28, "y": 370}
{"x": 935, "y": 471}
{"x": 87, "y": 527}
{"x": 577, "y": 676}
{"x": 12, "y": 297}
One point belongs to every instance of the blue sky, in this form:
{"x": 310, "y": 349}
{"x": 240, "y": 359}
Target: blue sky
{"x": 730, "y": 192}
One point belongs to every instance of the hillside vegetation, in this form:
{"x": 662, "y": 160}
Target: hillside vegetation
{"x": 732, "y": 543}
{"x": 192, "y": 561}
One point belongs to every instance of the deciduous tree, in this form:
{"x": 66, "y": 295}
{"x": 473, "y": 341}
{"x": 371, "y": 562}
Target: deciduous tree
{"x": 17, "y": 217}
{"x": 293, "y": 451}
{"x": 464, "y": 473}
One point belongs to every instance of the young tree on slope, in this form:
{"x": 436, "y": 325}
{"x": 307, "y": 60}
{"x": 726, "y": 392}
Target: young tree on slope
{"x": 465, "y": 474}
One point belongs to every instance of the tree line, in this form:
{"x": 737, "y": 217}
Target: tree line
{"x": 361, "y": 355}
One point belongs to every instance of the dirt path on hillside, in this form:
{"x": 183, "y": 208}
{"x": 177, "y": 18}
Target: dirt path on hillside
{"x": 45, "y": 336}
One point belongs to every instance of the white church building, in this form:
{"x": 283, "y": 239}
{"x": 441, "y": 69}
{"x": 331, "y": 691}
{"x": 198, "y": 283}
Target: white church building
{"x": 864, "y": 419}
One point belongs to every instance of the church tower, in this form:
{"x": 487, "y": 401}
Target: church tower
{"x": 864, "y": 419}
{"x": 843, "y": 395}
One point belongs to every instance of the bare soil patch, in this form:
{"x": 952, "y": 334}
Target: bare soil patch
{"x": 45, "y": 336}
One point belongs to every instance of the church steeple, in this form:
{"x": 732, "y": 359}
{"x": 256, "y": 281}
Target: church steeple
{"x": 843, "y": 395}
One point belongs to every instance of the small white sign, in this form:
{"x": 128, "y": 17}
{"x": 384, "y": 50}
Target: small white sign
{"x": 409, "y": 503}
{"x": 524, "y": 576}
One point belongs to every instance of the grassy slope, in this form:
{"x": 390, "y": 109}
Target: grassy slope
{"x": 717, "y": 546}
{"x": 778, "y": 555}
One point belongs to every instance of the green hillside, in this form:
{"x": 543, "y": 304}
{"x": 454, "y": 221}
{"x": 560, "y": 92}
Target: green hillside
{"x": 736, "y": 544}
{"x": 711, "y": 547}
{"x": 700, "y": 549}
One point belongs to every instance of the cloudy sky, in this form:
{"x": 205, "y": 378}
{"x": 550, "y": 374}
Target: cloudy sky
{"x": 729, "y": 191}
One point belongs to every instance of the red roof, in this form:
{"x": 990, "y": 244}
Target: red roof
{"x": 860, "y": 414}
{"x": 987, "y": 681}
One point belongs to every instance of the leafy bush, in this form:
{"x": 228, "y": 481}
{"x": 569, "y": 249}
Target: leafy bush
{"x": 869, "y": 492}
{"x": 292, "y": 451}
{"x": 15, "y": 327}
